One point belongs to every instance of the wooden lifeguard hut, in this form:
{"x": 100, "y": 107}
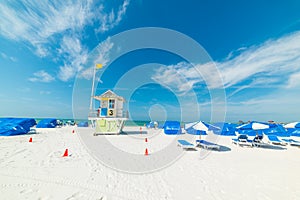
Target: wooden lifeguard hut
{"x": 110, "y": 117}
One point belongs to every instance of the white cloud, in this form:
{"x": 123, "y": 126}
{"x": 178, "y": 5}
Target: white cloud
{"x": 45, "y": 92}
{"x": 103, "y": 57}
{"x": 41, "y": 76}
{"x": 111, "y": 19}
{"x": 272, "y": 58}
{"x": 172, "y": 77}
{"x": 294, "y": 80}
{"x": 74, "y": 57}
{"x": 45, "y": 24}
{"x": 41, "y": 19}
{"x": 3, "y": 55}
{"x": 267, "y": 65}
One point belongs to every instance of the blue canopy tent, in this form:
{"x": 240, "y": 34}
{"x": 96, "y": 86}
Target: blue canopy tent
{"x": 26, "y": 123}
{"x": 172, "y": 128}
{"x": 47, "y": 123}
{"x": 226, "y": 129}
{"x": 83, "y": 124}
{"x": 15, "y": 126}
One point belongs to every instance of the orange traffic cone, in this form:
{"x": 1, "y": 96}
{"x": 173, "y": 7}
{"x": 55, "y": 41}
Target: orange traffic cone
{"x": 30, "y": 139}
{"x": 146, "y": 139}
{"x": 66, "y": 154}
{"x": 146, "y": 152}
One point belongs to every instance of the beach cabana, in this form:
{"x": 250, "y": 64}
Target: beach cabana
{"x": 172, "y": 128}
{"x": 47, "y": 123}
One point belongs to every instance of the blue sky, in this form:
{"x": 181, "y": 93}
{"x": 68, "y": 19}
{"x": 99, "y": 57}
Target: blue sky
{"x": 46, "y": 46}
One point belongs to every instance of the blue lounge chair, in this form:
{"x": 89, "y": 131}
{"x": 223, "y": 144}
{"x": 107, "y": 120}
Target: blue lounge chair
{"x": 273, "y": 139}
{"x": 242, "y": 140}
{"x": 185, "y": 144}
{"x": 207, "y": 145}
{"x": 292, "y": 142}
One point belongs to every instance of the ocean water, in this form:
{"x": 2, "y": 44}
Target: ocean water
{"x": 135, "y": 123}
{"x": 127, "y": 123}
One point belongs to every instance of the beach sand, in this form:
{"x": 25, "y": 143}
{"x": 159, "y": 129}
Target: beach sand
{"x": 37, "y": 170}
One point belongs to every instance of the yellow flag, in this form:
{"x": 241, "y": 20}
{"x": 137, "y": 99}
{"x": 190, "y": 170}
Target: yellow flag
{"x": 99, "y": 66}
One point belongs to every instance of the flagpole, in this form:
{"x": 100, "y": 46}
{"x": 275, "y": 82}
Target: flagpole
{"x": 92, "y": 93}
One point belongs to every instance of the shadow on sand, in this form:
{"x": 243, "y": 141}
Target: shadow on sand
{"x": 270, "y": 146}
{"x": 133, "y": 132}
{"x": 221, "y": 149}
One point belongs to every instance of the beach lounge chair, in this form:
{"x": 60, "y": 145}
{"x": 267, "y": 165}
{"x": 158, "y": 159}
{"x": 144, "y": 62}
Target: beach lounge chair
{"x": 207, "y": 145}
{"x": 273, "y": 139}
{"x": 185, "y": 144}
{"x": 292, "y": 142}
{"x": 242, "y": 140}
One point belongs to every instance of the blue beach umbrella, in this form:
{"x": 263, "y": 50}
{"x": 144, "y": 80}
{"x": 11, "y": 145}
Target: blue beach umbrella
{"x": 277, "y": 129}
{"x": 226, "y": 129}
{"x": 294, "y": 132}
{"x": 293, "y": 128}
{"x": 199, "y": 128}
{"x": 253, "y": 128}
{"x": 292, "y": 125}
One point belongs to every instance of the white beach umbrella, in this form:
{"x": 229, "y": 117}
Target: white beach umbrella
{"x": 292, "y": 125}
{"x": 253, "y": 126}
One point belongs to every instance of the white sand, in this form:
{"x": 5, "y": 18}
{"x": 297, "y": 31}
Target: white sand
{"x": 37, "y": 170}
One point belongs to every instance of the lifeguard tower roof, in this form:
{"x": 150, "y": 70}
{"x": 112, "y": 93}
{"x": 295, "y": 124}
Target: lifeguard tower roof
{"x": 109, "y": 94}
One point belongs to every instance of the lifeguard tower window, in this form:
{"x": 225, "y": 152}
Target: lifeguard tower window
{"x": 111, "y": 104}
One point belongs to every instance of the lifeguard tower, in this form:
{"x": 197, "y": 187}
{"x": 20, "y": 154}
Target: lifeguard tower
{"x": 110, "y": 117}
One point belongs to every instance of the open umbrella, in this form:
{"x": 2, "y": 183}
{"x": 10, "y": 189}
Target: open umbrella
{"x": 294, "y": 132}
{"x": 276, "y": 129}
{"x": 292, "y": 125}
{"x": 199, "y": 128}
{"x": 253, "y": 128}
{"x": 293, "y": 128}
{"x": 226, "y": 129}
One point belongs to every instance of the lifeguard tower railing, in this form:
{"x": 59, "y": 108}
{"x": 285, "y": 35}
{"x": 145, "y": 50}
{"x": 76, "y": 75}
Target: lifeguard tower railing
{"x": 97, "y": 114}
